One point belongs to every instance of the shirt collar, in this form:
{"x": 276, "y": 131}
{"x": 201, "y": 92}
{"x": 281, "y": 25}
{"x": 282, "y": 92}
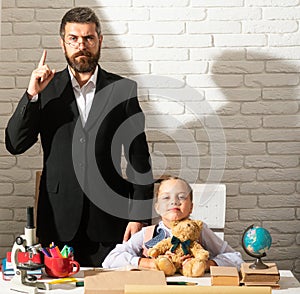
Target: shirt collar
{"x": 92, "y": 80}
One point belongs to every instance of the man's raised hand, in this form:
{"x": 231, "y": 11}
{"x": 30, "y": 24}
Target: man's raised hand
{"x": 40, "y": 77}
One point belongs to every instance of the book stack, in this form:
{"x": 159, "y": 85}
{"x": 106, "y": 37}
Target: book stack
{"x": 224, "y": 276}
{"x": 260, "y": 277}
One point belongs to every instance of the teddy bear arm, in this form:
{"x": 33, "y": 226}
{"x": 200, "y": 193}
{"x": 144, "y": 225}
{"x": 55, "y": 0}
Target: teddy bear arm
{"x": 198, "y": 251}
{"x": 160, "y": 248}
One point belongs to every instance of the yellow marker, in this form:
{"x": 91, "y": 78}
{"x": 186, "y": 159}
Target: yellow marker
{"x": 63, "y": 280}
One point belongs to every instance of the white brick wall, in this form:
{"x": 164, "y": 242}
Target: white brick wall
{"x": 238, "y": 59}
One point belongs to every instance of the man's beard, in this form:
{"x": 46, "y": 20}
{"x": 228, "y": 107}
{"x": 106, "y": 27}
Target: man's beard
{"x": 84, "y": 65}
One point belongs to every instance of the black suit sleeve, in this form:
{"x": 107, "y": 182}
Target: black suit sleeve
{"x": 23, "y": 127}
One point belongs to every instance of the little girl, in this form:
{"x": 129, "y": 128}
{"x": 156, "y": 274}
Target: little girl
{"x": 174, "y": 202}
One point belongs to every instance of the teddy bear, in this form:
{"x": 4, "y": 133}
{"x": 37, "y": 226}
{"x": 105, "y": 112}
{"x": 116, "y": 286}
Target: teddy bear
{"x": 186, "y": 234}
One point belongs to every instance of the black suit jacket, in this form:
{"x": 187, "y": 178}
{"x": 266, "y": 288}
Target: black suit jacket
{"x": 79, "y": 161}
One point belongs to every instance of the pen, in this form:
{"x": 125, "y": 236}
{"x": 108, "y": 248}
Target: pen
{"x": 181, "y": 283}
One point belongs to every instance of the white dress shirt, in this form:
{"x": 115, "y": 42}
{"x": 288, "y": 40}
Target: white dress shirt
{"x": 84, "y": 95}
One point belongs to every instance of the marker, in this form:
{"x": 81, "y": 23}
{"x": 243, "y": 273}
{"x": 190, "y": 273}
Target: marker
{"x": 181, "y": 283}
{"x": 63, "y": 281}
{"x": 45, "y": 251}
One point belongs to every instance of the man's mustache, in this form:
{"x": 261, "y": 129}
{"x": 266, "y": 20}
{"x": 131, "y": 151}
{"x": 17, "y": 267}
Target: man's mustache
{"x": 82, "y": 53}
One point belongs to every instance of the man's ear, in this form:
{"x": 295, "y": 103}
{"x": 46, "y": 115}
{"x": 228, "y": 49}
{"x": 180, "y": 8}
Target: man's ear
{"x": 100, "y": 41}
{"x": 62, "y": 45}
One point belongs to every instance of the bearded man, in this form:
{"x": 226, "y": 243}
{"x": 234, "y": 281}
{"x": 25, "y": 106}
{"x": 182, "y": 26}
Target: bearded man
{"x": 85, "y": 117}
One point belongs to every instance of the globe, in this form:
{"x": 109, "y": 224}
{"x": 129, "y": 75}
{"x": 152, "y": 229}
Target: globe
{"x": 256, "y": 242}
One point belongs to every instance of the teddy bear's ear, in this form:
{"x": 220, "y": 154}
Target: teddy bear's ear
{"x": 199, "y": 223}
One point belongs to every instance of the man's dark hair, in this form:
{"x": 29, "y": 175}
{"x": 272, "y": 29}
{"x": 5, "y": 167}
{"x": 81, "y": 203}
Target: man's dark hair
{"x": 79, "y": 15}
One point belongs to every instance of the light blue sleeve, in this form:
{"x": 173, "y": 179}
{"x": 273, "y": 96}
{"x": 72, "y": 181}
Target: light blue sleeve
{"x": 127, "y": 253}
{"x": 219, "y": 250}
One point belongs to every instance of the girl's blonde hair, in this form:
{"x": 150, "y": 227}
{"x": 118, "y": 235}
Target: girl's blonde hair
{"x": 168, "y": 178}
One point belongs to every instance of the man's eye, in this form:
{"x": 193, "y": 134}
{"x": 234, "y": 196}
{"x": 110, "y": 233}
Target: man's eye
{"x": 72, "y": 39}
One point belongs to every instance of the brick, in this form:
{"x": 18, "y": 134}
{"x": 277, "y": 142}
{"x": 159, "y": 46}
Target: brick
{"x": 50, "y": 15}
{"x": 239, "y": 122}
{"x": 281, "y": 13}
{"x": 114, "y": 28}
{"x": 271, "y": 161}
{"x": 265, "y": 188}
{"x": 281, "y": 121}
{"x": 283, "y": 40}
{"x": 6, "y": 188}
{"x": 279, "y": 174}
{"x": 275, "y": 135}
{"x": 283, "y": 240}
{"x": 188, "y": 67}
{"x": 216, "y": 53}
{"x": 127, "y": 41}
{"x": 160, "y": 54}
{"x": 114, "y": 13}
{"x": 266, "y": 3}
{"x": 177, "y": 14}
{"x": 214, "y": 27}
{"x": 6, "y": 29}
{"x": 287, "y": 66}
{"x": 181, "y": 149}
{"x": 270, "y": 26}
{"x": 7, "y": 162}
{"x": 231, "y": 135}
{"x": 271, "y": 201}
{"x": 127, "y": 68}
{"x": 6, "y": 240}
{"x": 44, "y": 28}
{"x": 6, "y": 214}
{"x": 232, "y": 94}
{"x": 283, "y": 148}
{"x": 213, "y": 3}
{"x": 283, "y": 53}
{"x": 271, "y": 80}
{"x": 20, "y": 42}
{"x": 169, "y": 135}
{"x": 283, "y": 214}
{"x": 159, "y": 3}
{"x": 280, "y": 93}
{"x": 238, "y": 67}
{"x": 7, "y": 82}
{"x": 211, "y": 80}
{"x": 17, "y": 14}
{"x": 117, "y": 54}
{"x": 15, "y": 201}
{"x": 234, "y": 149}
{"x": 40, "y": 4}
{"x": 234, "y": 40}
{"x": 285, "y": 227}
{"x": 240, "y": 175}
{"x": 183, "y": 41}
{"x": 162, "y": 107}
{"x": 234, "y": 13}
{"x": 156, "y": 28}
{"x": 12, "y": 69}
{"x": 241, "y": 201}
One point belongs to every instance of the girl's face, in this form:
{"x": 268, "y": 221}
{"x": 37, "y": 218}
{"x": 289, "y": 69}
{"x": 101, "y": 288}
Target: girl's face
{"x": 173, "y": 201}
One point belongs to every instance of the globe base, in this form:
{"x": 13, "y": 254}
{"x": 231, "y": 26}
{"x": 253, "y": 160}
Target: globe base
{"x": 258, "y": 264}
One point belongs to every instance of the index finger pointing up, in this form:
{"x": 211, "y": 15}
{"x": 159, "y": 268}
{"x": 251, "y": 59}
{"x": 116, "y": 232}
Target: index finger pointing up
{"x": 43, "y": 58}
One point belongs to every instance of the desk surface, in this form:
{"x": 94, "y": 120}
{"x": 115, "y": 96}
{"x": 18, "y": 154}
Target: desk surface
{"x": 288, "y": 283}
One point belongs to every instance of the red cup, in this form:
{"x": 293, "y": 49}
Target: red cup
{"x": 60, "y": 267}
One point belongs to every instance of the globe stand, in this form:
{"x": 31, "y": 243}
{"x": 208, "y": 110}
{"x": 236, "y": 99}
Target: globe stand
{"x": 258, "y": 264}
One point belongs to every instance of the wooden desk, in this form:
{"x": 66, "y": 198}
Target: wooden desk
{"x": 288, "y": 283}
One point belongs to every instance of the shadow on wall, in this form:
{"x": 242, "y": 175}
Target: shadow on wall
{"x": 261, "y": 123}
